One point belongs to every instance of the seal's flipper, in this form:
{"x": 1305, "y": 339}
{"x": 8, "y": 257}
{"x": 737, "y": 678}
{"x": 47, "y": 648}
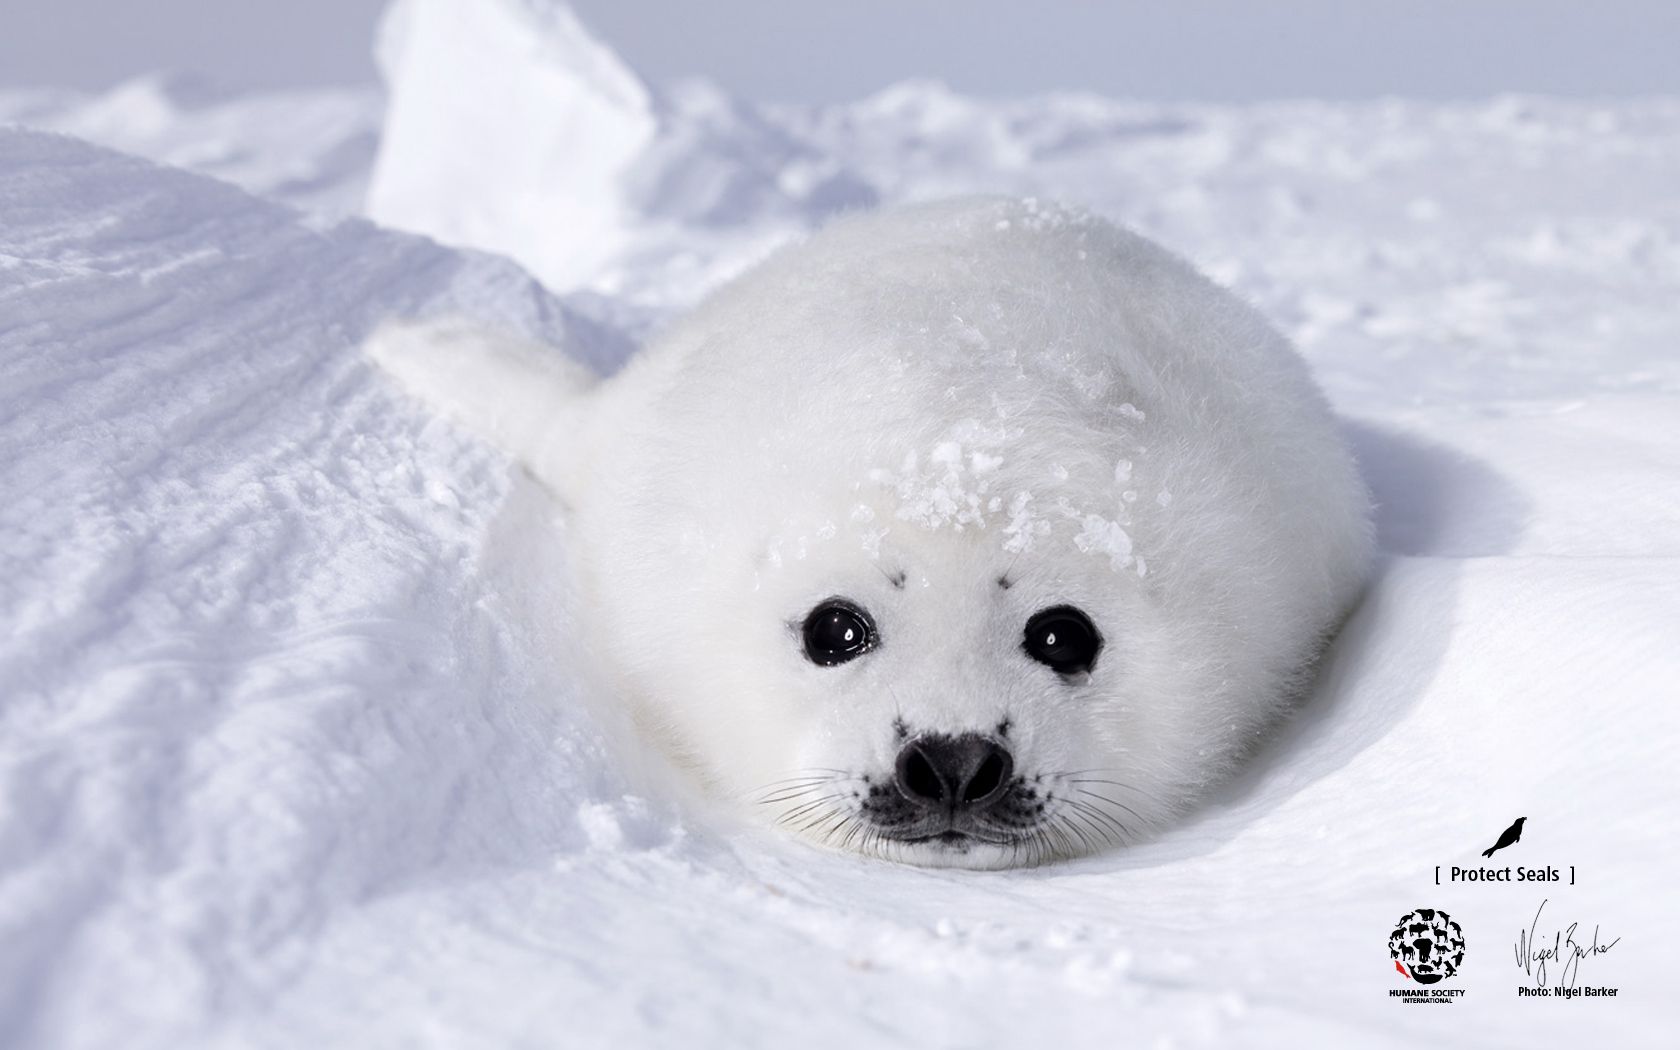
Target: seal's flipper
{"x": 525, "y": 398}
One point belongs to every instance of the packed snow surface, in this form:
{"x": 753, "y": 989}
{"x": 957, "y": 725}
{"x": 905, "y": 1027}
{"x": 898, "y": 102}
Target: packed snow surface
{"x": 292, "y": 748}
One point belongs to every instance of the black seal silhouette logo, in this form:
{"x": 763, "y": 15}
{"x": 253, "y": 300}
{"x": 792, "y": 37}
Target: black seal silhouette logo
{"x": 1509, "y": 837}
{"x": 1427, "y": 946}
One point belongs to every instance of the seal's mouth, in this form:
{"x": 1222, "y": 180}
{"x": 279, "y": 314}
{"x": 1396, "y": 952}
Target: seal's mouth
{"x": 948, "y": 839}
{"x": 1007, "y": 820}
{"x": 952, "y": 839}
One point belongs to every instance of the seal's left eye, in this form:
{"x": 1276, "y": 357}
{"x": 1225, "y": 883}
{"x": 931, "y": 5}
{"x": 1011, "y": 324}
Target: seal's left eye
{"x": 1063, "y": 639}
{"x": 837, "y": 631}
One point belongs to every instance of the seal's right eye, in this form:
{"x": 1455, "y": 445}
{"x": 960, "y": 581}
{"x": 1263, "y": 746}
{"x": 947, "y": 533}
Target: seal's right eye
{"x": 837, "y": 631}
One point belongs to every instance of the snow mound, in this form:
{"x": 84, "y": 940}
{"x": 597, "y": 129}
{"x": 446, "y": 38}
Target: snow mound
{"x": 592, "y": 167}
{"x": 250, "y": 675}
{"x": 508, "y": 128}
{"x": 1547, "y": 262}
{"x": 310, "y": 149}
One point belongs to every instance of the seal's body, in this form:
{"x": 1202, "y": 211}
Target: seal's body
{"x": 973, "y": 533}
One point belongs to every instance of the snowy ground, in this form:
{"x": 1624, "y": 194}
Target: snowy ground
{"x": 289, "y": 753}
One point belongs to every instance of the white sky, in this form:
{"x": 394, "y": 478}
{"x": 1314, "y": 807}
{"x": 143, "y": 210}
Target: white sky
{"x": 820, "y": 50}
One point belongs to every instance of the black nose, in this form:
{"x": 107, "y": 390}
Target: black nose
{"x": 954, "y": 772}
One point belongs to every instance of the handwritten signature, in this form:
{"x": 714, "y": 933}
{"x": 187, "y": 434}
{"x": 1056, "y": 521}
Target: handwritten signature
{"x": 1565, "y": 951}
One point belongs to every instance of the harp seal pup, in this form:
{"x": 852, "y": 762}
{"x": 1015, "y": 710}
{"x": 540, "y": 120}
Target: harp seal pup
{"x": 978, "y": 533}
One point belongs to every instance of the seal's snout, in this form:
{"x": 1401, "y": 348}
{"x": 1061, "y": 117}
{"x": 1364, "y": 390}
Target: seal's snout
{"x": 955, "y": 774}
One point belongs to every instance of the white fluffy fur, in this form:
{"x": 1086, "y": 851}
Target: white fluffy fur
{"x": 955, "y": 393}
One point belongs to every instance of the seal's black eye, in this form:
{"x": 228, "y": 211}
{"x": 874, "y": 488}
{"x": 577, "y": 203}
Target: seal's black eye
{"x": 837, "y": 631}
{"x": 1062, "y": 638}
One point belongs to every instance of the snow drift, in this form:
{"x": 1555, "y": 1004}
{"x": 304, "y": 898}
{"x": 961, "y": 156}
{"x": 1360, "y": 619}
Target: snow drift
{"x": 291, "y": 749}
{"x": 511, "y": 128}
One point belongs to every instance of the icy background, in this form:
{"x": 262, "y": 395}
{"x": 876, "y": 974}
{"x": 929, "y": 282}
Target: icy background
{"x": 291, "y": 748}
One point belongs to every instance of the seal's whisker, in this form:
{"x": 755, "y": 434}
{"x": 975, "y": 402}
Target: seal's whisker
{"x": 789, "y": 794}
{"x": 1123, "y": 830}
{"x": 1082, "y": 776}
{"x": 1096, "y": 815}
{"x": 857, "y": 826}
{"x": 1053, "y": 831}
{"x": 819, "y": 803}
{"x": 1117, "y": 805}
{"x": 1103, "y": 833}
{"x": 1089, "y": 803}
{"x": 838, "y": 819}
{"x": 823, "y": 817}
{"x": 806, "y": 807}
{"x": 802, "y": 780}
{"x": 1085, "y": 829}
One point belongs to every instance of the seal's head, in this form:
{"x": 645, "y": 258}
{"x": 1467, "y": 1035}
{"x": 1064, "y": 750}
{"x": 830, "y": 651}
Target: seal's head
{"x": 976, "y": 533}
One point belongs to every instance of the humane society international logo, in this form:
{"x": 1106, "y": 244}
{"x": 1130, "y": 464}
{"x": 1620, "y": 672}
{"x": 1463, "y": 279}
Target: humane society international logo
{"x": 1427, "y": 947}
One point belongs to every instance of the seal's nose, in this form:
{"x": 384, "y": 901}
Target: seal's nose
{"x": 954, "y": 772}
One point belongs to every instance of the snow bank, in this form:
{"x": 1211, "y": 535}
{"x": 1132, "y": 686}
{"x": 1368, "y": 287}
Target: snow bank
{"x": 250, "y": 675}
{"x": 508, "y": 128}
{"x": 1546, "y": 258}
{"x": 512, "y": 129}
{"x": 292, "y": 751}
{"x": 310, "y": 149}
